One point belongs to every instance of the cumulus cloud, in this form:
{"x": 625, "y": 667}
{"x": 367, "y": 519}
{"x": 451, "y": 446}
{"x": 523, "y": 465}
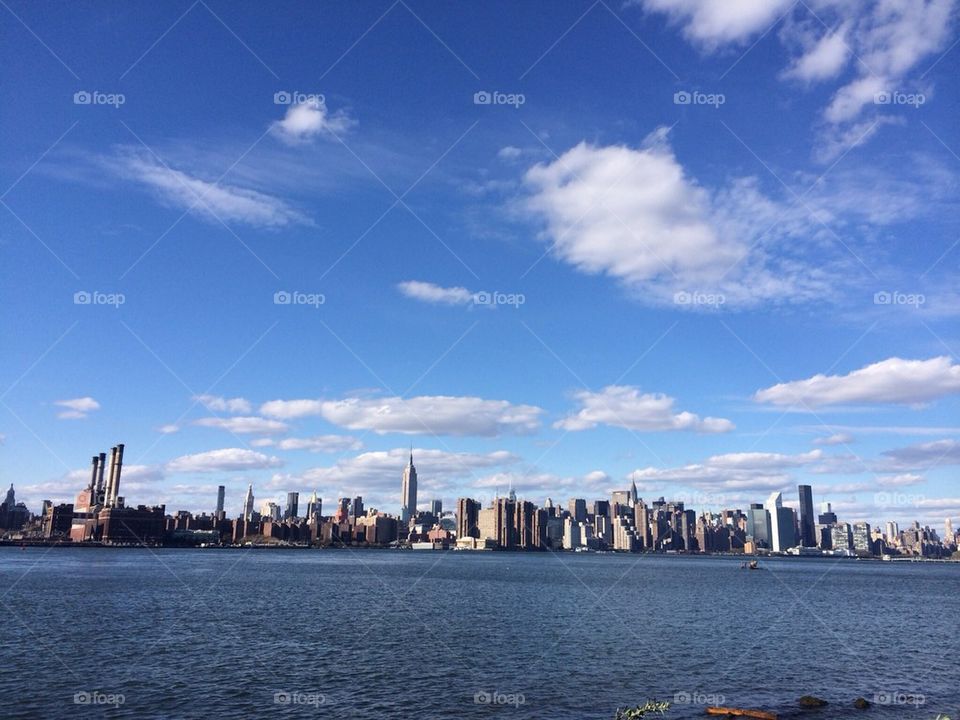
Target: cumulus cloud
{"x": 428, "y": 292}
{"x": 214, "y": 201}
{"x": 76, "y": 408}
{"x": 305, "y": 121}
{"x": 888, "y": 38}
{"x": 625, "y": 406}
{"x": 421, "y": 415}
{"x": 636, "y": 215}
{"x": 244, "y": 425}
{"x": 168, "y": 429}
{"x": 216, "y": 403}
{"x": 714, "y": 22}
{"x": 227, "y": 459}
{"x": 895, "y": 380}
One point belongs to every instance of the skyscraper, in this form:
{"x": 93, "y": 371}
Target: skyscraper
{"x": 221, "y": 490}
{"x": 293, "y": 505}
{"x": 314, "y": 508}
{"x": 408, "y": 492}
{"x": 468, "y": 511}
{"x": 248, "y": 504}
{"x": 808, "y": 525}
{"x": 772, "y": 505}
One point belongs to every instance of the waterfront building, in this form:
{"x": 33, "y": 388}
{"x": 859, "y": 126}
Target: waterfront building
{"x": 467, "y": 512}
{"x": 840, "y": 539}
{"x": 248, "y": 503}
{"x": 758, "y": 525}
{"x": 293, "y": 506}
{"x": 221, "y": 495}
{"x": 578, "y": 509}
{"x": 314, "y": 508}
{"x": 861, "y": 538}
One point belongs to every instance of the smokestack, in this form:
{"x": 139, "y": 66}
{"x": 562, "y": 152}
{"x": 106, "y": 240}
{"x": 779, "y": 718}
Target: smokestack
{"x": 108, "y": 491}
{"x": 116, "y": 478}
{"x": 93, "y": 478}
{"x": 99, "y": 487}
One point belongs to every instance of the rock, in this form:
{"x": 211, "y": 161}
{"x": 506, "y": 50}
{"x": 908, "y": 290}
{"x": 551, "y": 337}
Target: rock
{"x": 810, "y": 701}
{"x": 861, "y": 703}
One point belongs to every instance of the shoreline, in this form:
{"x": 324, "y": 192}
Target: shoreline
{"x": 735, "y": 556}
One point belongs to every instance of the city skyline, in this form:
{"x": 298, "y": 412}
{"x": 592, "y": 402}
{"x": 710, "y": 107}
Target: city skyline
{"x": 722, "y": 263}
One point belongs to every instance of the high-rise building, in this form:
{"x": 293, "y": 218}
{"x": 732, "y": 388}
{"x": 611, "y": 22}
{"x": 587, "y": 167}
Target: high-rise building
{"x": 221, "y": 491}
{"x": 840, "y": 537}
{"x": 356, "y": 509}
{"x": 408, "y": 492}
{"x": 314, "y": 508}
{"x": 293, "y": 506}
{"x": 578, "y": 509}
{"x": 861, "y": 537}
{"x": 248, "y": 504}
{"x": 758, "y": 525}
{"x": 773, "y": 504}
{"x": 808, "y": 524}
{"x": 467, "y": 518}
{"x": 436, "y": 508}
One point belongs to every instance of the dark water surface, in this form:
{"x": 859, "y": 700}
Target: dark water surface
{"x": 391, "y": 634}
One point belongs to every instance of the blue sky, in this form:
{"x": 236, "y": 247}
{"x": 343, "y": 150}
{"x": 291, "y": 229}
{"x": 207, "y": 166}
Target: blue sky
{"x": 550, "y": 246}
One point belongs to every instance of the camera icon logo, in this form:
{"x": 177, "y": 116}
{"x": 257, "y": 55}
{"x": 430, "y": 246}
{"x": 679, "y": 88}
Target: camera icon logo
{"x": 482, "y": 697}
{"x": 681, "y": 298}
{"x": 81, "y": 698}
{"x": 282, "y": 297}
{"x": 882, "y": 298}
{"x": 281, "y": 697}
{"x": 682, "y": 698}
{"x": 82, "y": 297}
{"x": 282, "y": 97}
{"x": 884, "y": 97}
{"x": 82, "y": 97}
{"x": 482, "y": 97}
{"x": 682, "y": 97}
{"x": 483, "y": 298}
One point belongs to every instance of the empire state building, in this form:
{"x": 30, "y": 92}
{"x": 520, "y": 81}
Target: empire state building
{"x": 408, "y": 492}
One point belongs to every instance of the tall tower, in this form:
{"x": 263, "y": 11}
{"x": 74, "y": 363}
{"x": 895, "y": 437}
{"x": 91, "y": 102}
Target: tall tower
{"x": 808, "y": 523}
{"x": 248, "y": 503}
{"x": 221, "y": 491}
{"x": 408, "y": 492}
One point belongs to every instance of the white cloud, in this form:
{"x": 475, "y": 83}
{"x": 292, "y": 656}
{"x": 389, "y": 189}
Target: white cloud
{"x": 624, "y": 406}
{"x": 895, "y": 380}
{"x": 428, "y": 292}
{"x": 884, "y": 41}
{"x": 77, "y": 408}
{"x": 215, "y": 403}
{"x": 381, "y": 469}
{"x": 421, "y": 415}
{"x": 509, "y": 153}
{"x": 714, "y": 22}
{"x": 321, "y": 443}
{"x": 763, "y": 461}
{"x": 635, "y": 215}
{"x": 305, "y": 121}
{"x": 227, "y": 459}
{"x": 923, "y": 456}
{"x": 168, "y": 429}
{"x": 822, "y": 58}
{"x": 214, "y": 201}
{"x": 835, "y": 439}
{"x": 243, "y": 425}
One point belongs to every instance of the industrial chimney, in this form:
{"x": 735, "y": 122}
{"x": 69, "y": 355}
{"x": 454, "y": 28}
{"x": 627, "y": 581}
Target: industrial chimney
{"x": 108, "y": 491}
{"x": 99, "y": 489}
{"x": 116, "y": 478}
